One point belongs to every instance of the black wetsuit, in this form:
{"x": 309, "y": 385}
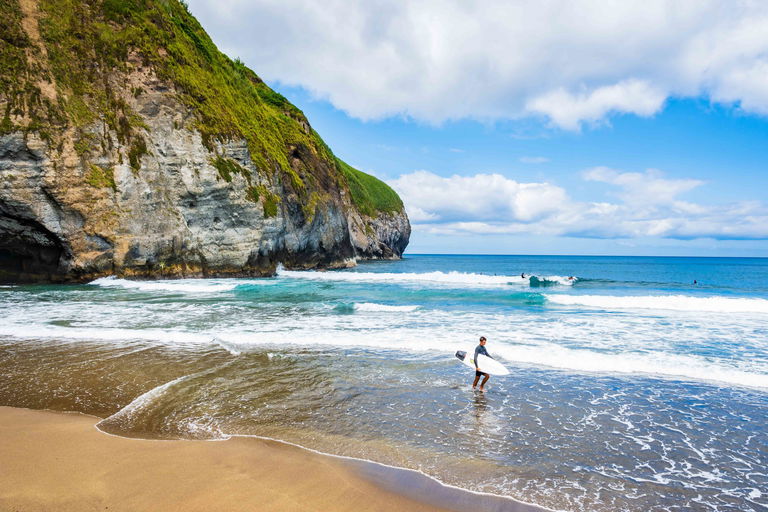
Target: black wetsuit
{"x": 480, "y": 350}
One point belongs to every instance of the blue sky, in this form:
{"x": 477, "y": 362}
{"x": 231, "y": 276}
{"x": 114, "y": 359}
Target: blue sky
{"x": 643, "y": 132}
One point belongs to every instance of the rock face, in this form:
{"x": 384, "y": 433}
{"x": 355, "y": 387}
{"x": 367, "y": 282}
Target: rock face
{"x": 143, "y": 170}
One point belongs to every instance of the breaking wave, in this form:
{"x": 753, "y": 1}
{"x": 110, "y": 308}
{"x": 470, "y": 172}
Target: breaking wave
{"x": 178, "y": 286}
{"x": 372, "y": 307}
{"x": 461, "y": 279}
{"x": 436, "y": 341}
{"x": 663, "y": 364}
{"x": 668, "y": 302}
{"x": 543, "y": 281}
{"x": 437, "y": 278}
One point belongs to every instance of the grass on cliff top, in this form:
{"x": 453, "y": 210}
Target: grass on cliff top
{"x": 370, "y": 194}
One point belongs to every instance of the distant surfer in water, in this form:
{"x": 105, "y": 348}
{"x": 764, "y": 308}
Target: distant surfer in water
{"x": 480, "y": 350}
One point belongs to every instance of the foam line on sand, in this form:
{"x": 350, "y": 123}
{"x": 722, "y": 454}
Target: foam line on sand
{"x": 58, "y": 461}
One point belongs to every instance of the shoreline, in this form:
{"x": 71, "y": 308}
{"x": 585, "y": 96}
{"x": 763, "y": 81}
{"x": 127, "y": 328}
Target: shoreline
{"x": 419, "y": 485}
{"x": 40, "y": 450}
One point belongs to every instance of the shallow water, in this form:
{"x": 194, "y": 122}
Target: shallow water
{"x": 631, "y": 389}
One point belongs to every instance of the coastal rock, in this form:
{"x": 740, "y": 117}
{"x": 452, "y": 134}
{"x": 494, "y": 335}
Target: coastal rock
{"x": 150, "y": 180}
{"x": 382, "y": 237}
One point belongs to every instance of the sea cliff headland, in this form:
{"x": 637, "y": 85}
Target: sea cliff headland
{"x": 130, "y": 145}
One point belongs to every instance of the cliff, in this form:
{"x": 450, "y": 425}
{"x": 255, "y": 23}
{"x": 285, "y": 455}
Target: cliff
{"x": 130, "y": 145}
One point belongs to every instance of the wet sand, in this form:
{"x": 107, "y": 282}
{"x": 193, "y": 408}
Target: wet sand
{"x": 58, "y": 461}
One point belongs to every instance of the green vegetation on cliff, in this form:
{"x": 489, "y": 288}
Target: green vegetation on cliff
{"x": 370, "y": 194}
{"x": 13, "y": 44}
{"x": 13, "y": 63}
{"x": 84, "y": 47}
{"x": 100, "y": 177}
{"x": 228, "y": 167}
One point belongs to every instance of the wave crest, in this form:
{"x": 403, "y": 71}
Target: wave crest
{"x": 452, "y": 278}
{"x": 668, "y": 302}
{"x": 543, "y": 281}
{"x": 663, "y": 364}
{"x": 179, "y": 286}
{"x": 373, "y": 307}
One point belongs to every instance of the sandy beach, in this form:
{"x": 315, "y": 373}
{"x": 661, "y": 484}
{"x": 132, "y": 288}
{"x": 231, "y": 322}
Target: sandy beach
{"x": 58, "y": 461}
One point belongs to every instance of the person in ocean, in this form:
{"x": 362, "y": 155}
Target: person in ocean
{"x": 480, "y": 349}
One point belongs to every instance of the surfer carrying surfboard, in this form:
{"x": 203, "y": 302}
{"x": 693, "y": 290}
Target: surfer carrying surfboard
{"x": 480, "y": 349}
{"x": 483, "y": 363}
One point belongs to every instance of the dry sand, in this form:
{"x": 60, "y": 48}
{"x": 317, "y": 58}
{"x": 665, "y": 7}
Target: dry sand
{"x": 59, "y": 462}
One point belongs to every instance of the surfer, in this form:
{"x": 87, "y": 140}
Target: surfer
{"x": 480, "y": 350}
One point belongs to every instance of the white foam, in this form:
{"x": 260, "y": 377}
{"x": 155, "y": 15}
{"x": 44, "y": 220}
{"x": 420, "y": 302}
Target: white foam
{"x": 661, "y": 363}
{"x": 226, "y": 346}
{"x": 143, "y": 400}
{"x": 650, "y": 363}
{"x": 373, "y": 307}
{"x": 178, "y": 286}
{"x": 33, "y": 331}
{"x": 434, "y": 340}
{"x": 669, "y": 302}
{"x": 440, "y": 278}
{"x": 437, "y": 278}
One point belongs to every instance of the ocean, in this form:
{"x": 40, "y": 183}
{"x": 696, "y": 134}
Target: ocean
{"x": 631, "y": 387}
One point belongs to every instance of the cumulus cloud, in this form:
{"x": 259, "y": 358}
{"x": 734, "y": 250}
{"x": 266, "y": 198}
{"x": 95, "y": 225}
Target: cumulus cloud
{"x": 570, "y": 62}
{"x": 568, "y": 110}
{"x": 649, "y": 187}
{"x": 483, "y": 197}
{"x": 648, "y": 206}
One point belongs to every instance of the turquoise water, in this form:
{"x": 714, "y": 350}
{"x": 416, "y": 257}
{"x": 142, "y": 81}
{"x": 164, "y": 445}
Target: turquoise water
{"x": 631, "y": 387}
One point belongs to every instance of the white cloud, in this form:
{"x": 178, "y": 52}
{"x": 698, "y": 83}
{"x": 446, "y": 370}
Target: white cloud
{"x": 648, "y": 206}
{"x": 649, "y": 187}
{"x": 483, "y": 197}
{"x": 569, "y": 110}
{"x": 434, "y": 60}
{"x": 416, "y": 214}
{"x": 533, "y": 159}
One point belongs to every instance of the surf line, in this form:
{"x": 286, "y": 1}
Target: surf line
{"x": 385, "y": 475}
{"x": 148, "y": 396}
{"x": 377, "y": 471}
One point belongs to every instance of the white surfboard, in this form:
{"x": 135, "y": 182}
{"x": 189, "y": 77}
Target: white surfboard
{"x": 485, "y": 363}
